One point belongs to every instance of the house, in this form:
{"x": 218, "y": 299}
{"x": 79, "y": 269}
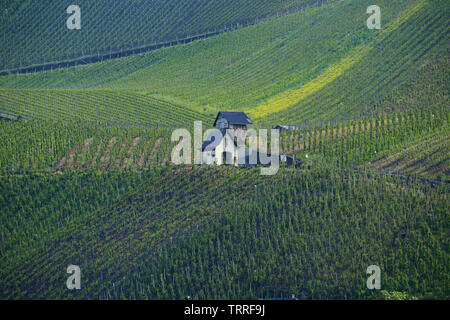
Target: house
{"x": 221, "y": 144}
{"x": 237, "y": 121}
{"x": 227, "y": 144}
{"x": 228, "y": 147}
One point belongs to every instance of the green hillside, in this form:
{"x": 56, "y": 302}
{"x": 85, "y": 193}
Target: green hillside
{"x": 86, "y": 176}
{"x": 35, "y": 32}
{"x": 413, "y": 143}
{"x": 317, "y": 64}
{"x": 103, "y": 197}
{"x": 394, "y": 60}
{"x": 317, "y": 68}
{"x": 57, "y": 146}
{"x": 221, "y": 233}
{"x": 113, "y": 106}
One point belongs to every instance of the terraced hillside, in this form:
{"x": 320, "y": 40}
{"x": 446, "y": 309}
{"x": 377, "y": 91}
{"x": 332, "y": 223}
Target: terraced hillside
{"x": 35, "y": 32}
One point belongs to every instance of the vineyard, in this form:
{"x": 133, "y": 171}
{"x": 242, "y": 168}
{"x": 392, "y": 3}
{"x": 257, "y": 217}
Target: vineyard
{"x": 331, "y": 67}
{"x": 393, "y": 61}
{"x": 222, "y": 233}
{"x": 86, "y": 176}
{"x": 113, "y": 106}
{"x": 36, "y": 32}
{"x": 420, "y": 136}
{"x": 78, "y": 145}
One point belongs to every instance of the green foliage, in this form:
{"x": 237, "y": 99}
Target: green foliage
{"x": 111, "y": 106}
{"x": 30, "y": 146}
{"x": 35, "y": 32}
{"x": 244, "y": 68}
{"x": 390, "y": 77}
{"x": 394, "y": 295}
{"x": 88, "y": 181}
{"x": 222, "y": 233}
{"x": 374, "y": 139}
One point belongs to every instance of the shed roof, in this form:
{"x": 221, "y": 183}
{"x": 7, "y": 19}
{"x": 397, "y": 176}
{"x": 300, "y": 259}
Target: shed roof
{"x": 234, "y": 118}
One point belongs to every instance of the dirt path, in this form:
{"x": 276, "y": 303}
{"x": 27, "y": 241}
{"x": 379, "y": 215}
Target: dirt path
{"x": 122, "y": 149}
{"x": 129, "y": 158}
{"x": 71, "y": 158}
{"x": 155, "y": 149}
{"x": 97, "y": 153}
{"x": 60, "y": 164}
{"x": 84, "y": 148}
{"x": 104, "y": 160}
{"x": 141, "y": 162}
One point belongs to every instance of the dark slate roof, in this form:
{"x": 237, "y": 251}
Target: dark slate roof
{"x": 234, "y": 118}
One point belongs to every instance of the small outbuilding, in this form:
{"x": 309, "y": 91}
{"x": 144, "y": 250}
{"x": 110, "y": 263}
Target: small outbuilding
{"x": 283, "y": 127}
